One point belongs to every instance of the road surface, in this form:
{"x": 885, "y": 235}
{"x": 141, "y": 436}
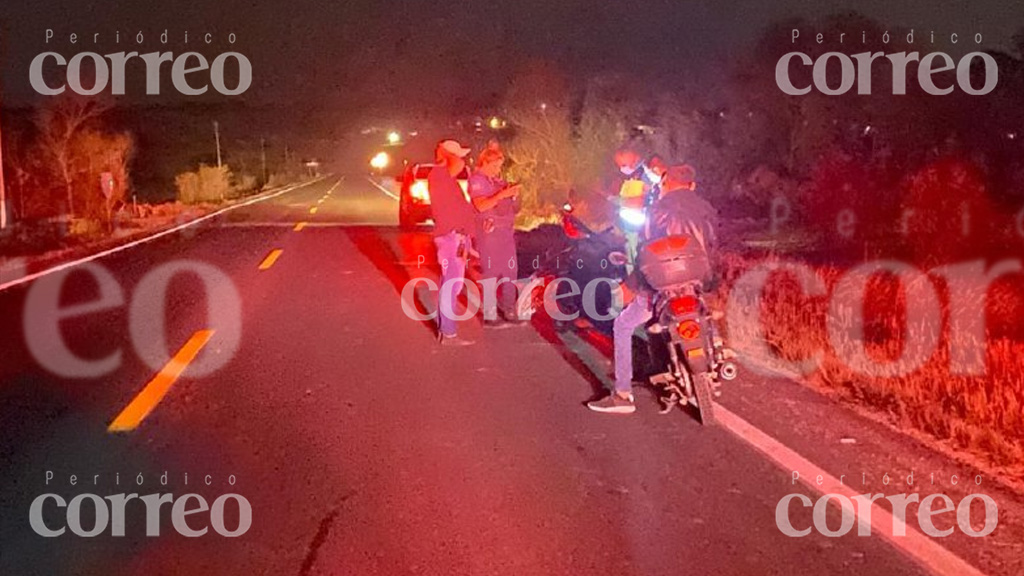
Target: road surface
{"x": 364, "y": 448}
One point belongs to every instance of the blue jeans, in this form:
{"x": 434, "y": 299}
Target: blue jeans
{"x": 636, "y": 314}
{"x": 453, "y": 271}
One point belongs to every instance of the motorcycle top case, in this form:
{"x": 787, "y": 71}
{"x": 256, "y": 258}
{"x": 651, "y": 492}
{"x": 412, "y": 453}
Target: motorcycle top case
{"x": 672, "y": 261}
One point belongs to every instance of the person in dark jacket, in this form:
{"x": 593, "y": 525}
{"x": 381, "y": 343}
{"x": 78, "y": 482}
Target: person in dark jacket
{"x": 678, "y": 210}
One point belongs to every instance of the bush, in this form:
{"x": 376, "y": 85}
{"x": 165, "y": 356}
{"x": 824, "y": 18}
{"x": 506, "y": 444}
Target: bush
{"x": 950, "y": 216}
{"x": 244, "y": 184}
{"x": 978, "y": 414}
{"x": 566, "y": 143}
{"x": 88, "y": 227}
{"x": 207, "y": 184}
{"x": 279, "y": 179}
{"x": 33, "y": 237}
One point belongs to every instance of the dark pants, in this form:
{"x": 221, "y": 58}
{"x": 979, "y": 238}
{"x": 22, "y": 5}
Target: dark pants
{"x": 498, "y": 261}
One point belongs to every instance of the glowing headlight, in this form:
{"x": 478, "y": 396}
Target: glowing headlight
{"x": 632, "y": 216}
{"x": 380, "y": 161}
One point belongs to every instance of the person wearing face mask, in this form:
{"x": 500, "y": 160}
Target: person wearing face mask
{"x": 496, "y": 202}
{"x": 638, "y": 191}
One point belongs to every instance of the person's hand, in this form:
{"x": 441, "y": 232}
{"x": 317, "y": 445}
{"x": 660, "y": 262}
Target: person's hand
{"x": 627, "y": 294}
{"x": 510, "y": 191}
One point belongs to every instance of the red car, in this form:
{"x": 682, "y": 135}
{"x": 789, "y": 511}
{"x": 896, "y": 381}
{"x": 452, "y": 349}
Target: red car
{"x": 414, "y": 198}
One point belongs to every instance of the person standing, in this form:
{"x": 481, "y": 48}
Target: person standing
{"x": 454, "y": 221}
{"x": 496, "y": 202}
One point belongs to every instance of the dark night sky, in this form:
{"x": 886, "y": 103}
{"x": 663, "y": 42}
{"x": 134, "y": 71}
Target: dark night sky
{"x": 353, "y": 52}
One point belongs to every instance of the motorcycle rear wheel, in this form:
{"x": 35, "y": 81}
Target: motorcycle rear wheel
{"x": 702, "y": 392}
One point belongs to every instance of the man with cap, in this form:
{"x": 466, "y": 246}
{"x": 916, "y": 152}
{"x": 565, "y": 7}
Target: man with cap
{"x": 454, "y": 220}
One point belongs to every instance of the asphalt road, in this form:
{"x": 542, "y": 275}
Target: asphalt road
{"x": 363, "y": 448}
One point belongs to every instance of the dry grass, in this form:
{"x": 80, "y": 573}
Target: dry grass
{"x": 981, "y": 415}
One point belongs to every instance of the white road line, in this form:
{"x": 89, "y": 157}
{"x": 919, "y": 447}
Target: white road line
{"x": 921, "y": 548}
{"x": 162, "y": 233}
{"x": 381, "y": 188}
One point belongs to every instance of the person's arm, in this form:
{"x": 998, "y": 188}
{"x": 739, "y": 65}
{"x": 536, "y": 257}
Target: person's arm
{"x": 487, "y": 203}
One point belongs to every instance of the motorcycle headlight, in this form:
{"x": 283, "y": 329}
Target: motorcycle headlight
{"x": 632, "y": 216}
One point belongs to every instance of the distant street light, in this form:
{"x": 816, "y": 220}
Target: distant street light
{"x": 394, "y": 138}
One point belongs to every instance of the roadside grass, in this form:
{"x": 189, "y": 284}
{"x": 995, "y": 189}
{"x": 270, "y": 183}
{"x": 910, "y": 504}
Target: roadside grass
{"x": 981, "y": 415}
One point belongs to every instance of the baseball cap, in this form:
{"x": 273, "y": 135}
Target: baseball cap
{"x": 454, "y": 148}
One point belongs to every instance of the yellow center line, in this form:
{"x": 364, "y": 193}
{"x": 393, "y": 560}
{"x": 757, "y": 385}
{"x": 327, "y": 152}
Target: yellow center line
{"x": 144, "y": 403}
{"x": 312, "y": 210}
{"x": 271, "y": 258}
{"x": 300, "y": 226}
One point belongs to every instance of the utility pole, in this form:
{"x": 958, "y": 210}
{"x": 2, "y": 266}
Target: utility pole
{"x": 3, "y": 191}
{"x": 216, "y": 135}
{"x": 263, "y": 158}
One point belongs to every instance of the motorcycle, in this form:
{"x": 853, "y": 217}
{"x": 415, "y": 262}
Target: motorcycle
{"x": 578, "y": 253}
{"x": 690, "y": 357}
{"x": 683, "y": 341}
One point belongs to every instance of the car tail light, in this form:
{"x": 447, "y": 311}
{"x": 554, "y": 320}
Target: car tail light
{"x": 683, "y": 305}
{"x": 420, "y": 191}
{"x": 570, "y": 229}
{"x": 689, "y": 330}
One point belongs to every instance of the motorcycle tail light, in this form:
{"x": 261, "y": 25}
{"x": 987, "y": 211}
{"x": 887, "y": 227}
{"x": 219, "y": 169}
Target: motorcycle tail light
{"x": 683, "y": 305}
{"x": 689, "y": 330}
{"x": 570, "y": 229}
{"x": 668, "y": 244}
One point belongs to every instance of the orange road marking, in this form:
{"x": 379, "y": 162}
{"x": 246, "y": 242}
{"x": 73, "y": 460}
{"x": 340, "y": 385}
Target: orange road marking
{"x": 271, "y": 258}
{"x": 144, "y": 403}
{"x": 300, "y": 226}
